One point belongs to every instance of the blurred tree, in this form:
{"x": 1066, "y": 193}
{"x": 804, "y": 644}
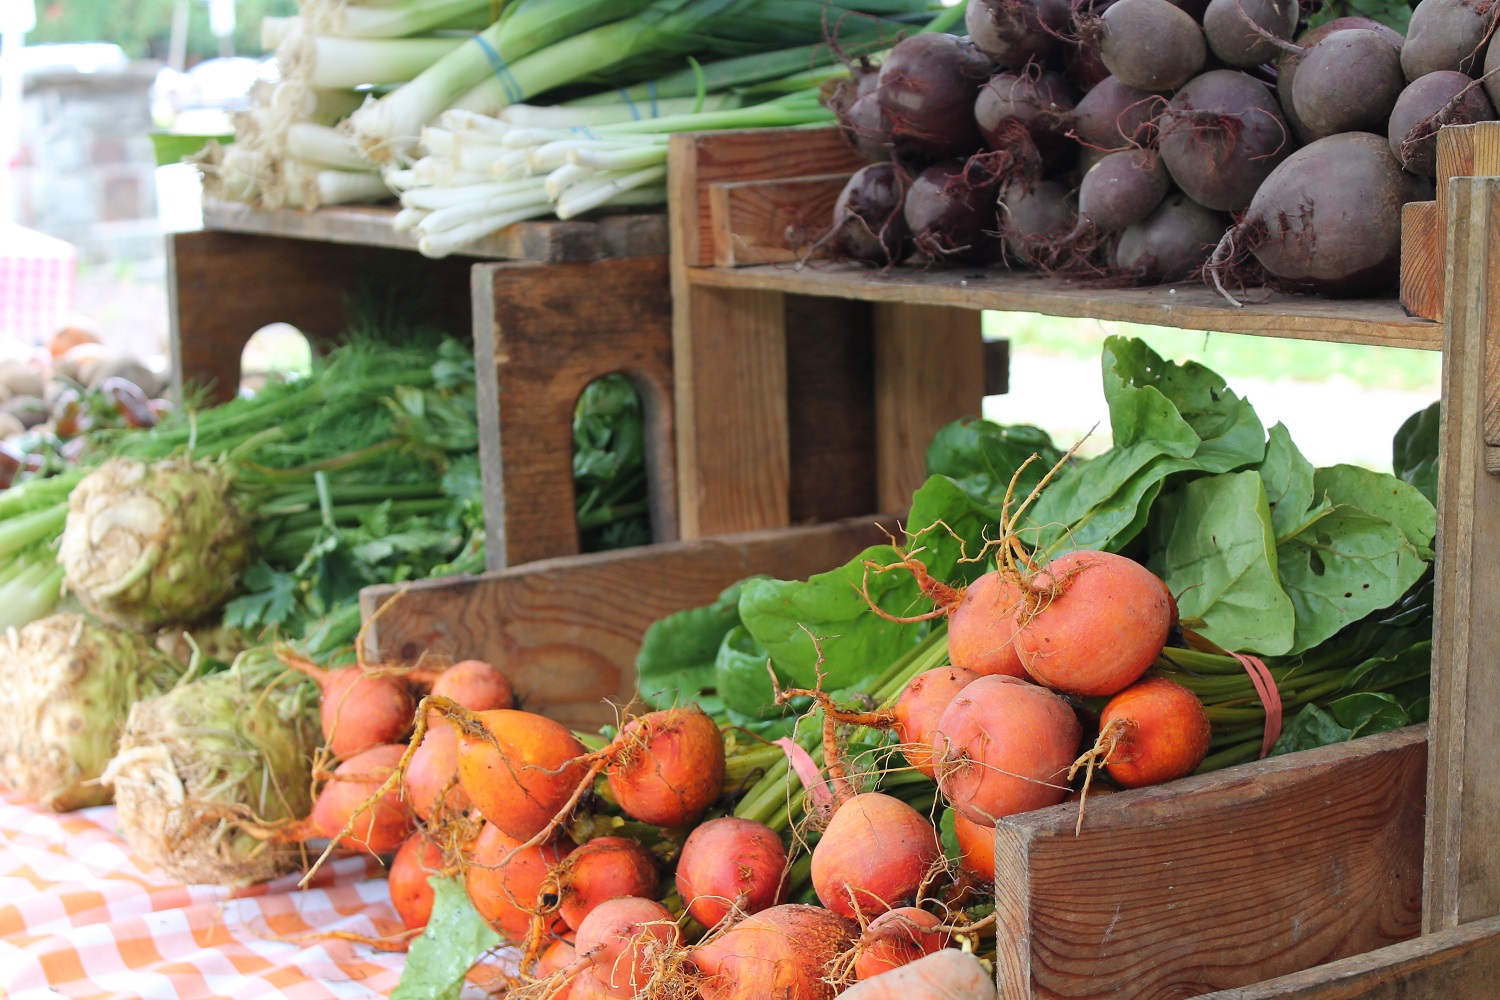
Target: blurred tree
{"x": 143, "y": 28}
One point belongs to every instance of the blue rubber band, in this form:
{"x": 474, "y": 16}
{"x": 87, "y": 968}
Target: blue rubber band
{"x": 625, "y": 95}
{"x": 651, "y": 90}
{"x": 513, "y": 92}
{"x": 584, "y": 131}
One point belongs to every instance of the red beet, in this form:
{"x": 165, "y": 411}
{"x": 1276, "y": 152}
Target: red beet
{"x": 927, "y": 88}
{"x": 1221, "y": 136}
{"x": 869, "y": 224}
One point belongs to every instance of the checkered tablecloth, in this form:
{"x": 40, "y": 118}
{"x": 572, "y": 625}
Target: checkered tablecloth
{"x": 81, "y": 916}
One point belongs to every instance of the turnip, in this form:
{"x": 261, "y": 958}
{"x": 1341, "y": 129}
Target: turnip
{"x": 1004, "y": 746}
{"x": 780, "y": 952}
{"x": 1327, "y": 220}
{"x": 1151, "y": 44}
{"x": 411, "y": 894}
{"x": 1153, "y": 731}
{"x": 1114, "y": 116}
{"x": 949, "y": 208}
{"x": 668, "y": 767}
{"x": 1291, "y": 58}
{"x": 1017, "y": 32}
{"x": 927, "y": 88}
{"x": 1221, "y": 136}
{"x": 1120, "y": 190}
{"x": 868, "y": 220}
{"x": 731, "y": 865}
{"x": 1040, "y": 101}
{"x": 1447, "y": 35}
{"x": 874, "y": 856}
{"x": 1033, "y": 218}
{"x": 1238, "y": 44}
{"x": 1093, "y": 623}
{"x": 602, "y": 869}
{"x": 896, "y": 938}
{"x": 1172, "y": 243}
{"x": 1428, "y": 103}
{"x": 1347, "y": 82}
{"x": 506, "y": 881}
{"x": 378, "y": 827}
{"x": 921, "y": 705}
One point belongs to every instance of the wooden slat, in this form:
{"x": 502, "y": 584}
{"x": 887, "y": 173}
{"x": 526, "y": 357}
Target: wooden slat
{"x": 1463, "y": 851}
{"x": 567, "y": 630}
{"x": 1215, "y": 881}
{"x": 772, "y": 222}
{"x": 544, "y": 240}
{"x": 222, "y": 287}
{"x": 1361, "y": 321}
{"x": 996, "y": 367}
{"x": 543, "y": 332}
{"x": 701, "y": 159}
{"x": 929, "y": 371}
{"x": 1458, "y": 964}
{"x": 1421, "y": 261}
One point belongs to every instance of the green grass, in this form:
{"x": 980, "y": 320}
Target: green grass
{"x": 1231, "y": 354}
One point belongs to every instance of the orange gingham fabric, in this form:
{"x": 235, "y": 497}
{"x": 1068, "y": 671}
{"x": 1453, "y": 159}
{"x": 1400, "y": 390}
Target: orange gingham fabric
{"x": 80, "y": 916}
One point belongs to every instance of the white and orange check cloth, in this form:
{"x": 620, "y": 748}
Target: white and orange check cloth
{"x": 80, "y": 916}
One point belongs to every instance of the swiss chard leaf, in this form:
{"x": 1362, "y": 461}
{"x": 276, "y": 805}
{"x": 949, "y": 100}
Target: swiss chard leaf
{"x": 1289, "y": 485}
{"x": 455, "y": 938}
{"x": 676, "y": 662}
{"x": 1214, "y": 547}
{"x": 741, "y": 677}
{"x": 982, "y": 457}
{"x": 1383, "y": 496}
{"x": 1414, "y": 452}
{"x": 1311, "y": 727}
{"x": 1365, "y": 713}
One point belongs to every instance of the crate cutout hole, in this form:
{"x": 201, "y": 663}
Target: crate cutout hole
{"x": 275, "y": 350}
{"x": 609, "y": 465}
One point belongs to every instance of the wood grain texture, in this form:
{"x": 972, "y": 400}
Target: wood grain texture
{"x": 1421, "y": 261}
{"x": 830, "y": 378}
{"x": 1463, "y": 851}
{"x": 773, "y": 221}
{"x": 542, "y": 240}
{"x": 543, "y": 332}
{"x": 1455, "y": 158}
{"x": 1458, "y": 964}
{"x": 1218, "y": 880}
{"x": 567, "y": 630}
{"x": 929, "y": 371}
{"x": 702, "y": 159}
{"x": 222, "y": 287}
{"x": 1379, "y": 322}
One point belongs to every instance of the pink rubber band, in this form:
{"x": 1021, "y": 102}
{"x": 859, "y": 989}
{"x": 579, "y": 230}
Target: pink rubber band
{"x": 1265, "y": 687}
{"x": 807, "y": 772}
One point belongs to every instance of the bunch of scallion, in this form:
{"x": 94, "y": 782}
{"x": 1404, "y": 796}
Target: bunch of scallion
{"x": 482, "y": 172}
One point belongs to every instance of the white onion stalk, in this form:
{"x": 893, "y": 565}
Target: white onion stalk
{"x": 459, "y": 120}
{"x": 407, "y": 219}
{"x": 432, "y": 199}
{"x": 592, "y": 193}
{"x": 325, "y": 146}
{"x": 603, "y": 157}
{"x": 445, "y": 219}
{"x": 337, "y": 63}
{"x": 309, "y": 186}
{"x": 411, "y": 17}
{"x": 565, "y": 177}
{"x": 275, "y": 30}
{"x": 454, "y": 240}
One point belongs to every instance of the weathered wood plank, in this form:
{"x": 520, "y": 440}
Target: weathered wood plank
{"x": 701, "y": 159}
{"x": 1218, "y": 880}
{"x": 567, "y": 630}
{"x": 929, "y": 371}
{"x": 1421, "y": 261}
{"x": 543, "y": 332}
{"x": 1379, "y": 322}
{"x": 541, "y": 240}
{"x": 773, "y": 221}
{"x": 1458, "y": 964}
{"x": 1463, "y": 852}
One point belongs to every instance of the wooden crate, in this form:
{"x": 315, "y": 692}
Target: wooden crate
{"x": 585, "y": 299}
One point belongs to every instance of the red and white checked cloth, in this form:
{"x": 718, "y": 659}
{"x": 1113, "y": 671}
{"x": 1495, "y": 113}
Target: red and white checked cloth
{"x": 37, "y": 274}
{"x": 80, "y": 916}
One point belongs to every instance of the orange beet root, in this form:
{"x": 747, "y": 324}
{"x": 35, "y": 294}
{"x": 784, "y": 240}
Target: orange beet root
{"x": 1098, "y": 623}
{"x": 1004, "y": 746}
{"x": 359, "y": 711}
{"x": 476, "y": 686}
{"x": 1163, "y": 733}
{"x": 731, "y": 863}
{"x": 920, "y": 707}
{"x": 671, "y": 767}
{"x": 898, "y": 938}
{"x": 874, "y": 855}
{"x": 780, "y": 952}
{"x": 976, "y": 847}
{"x": 433, "y": 768}
{"x": 506, "y": 894}
{"x": 410, "y": 893}
{"x": 621, "y": 937}
{"x": 605, "y": 868}
{"x": 380, "y": 829}
{"x": 524, "y": 785}
{"x": 982, "y": 630}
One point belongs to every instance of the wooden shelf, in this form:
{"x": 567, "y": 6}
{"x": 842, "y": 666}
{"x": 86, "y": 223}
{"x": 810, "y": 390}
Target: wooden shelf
{"x": 1379, "y": 322}
{"x": 543, "y": 240}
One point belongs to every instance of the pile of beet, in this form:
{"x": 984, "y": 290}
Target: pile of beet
{"x": 1152, "y": 141}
